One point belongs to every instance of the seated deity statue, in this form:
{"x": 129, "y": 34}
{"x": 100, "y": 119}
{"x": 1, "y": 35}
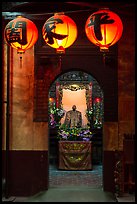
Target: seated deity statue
{"x": 73, "y": 118}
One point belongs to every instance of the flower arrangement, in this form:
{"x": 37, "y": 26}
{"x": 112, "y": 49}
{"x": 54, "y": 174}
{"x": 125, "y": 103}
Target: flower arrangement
{"x": 96, "y": 119}
{"x": 97, "y": 124}
{"x": 74, "y": 134}
{"x": 89, "y": 113}
{"x": 55, "y": 116}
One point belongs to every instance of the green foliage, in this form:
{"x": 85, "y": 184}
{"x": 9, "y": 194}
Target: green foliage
{"x": 73, "y": 134}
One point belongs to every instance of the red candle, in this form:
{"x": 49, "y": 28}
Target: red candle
{"x": 57, "y": 95}
{"x": 90, "y": 95}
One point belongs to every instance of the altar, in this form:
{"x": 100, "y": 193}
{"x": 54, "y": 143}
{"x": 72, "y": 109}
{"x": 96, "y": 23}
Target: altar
{"x": 75, "y": 155}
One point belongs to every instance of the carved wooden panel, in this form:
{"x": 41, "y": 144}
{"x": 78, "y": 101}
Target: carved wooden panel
{"x": 124, "y": 106}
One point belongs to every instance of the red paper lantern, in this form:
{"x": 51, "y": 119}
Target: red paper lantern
{"x": 59, "y": 32}
{"x": 21, "y": 34}
{"x": 104, "y": 28}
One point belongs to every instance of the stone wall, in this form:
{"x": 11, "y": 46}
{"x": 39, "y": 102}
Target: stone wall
{"x": 24, "y": 133}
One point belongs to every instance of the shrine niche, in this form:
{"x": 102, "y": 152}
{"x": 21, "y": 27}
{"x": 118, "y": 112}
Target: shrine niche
{"x": 77, "y": 88}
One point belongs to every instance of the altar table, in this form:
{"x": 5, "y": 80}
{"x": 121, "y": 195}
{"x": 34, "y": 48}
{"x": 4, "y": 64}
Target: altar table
{"x": 75, "y": 155}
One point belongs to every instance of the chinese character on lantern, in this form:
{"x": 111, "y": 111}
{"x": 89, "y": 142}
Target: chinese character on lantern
{"x": 59, "y": 32}
{"x": 104, "y": 28}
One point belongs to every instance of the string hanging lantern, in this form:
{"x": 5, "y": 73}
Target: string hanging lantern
{"x": 59, "y": 32}
{"x": 104, "y": 28}
{"x": 21, "y": 34}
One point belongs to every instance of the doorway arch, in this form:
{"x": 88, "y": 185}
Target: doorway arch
{"x": 73, "y": 81}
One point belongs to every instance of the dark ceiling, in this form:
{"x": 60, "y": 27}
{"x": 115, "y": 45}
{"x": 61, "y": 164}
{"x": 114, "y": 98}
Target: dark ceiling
{"x": 44, "y": 7}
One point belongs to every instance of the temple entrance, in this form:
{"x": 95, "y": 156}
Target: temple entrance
{"x": 80, "y": 89}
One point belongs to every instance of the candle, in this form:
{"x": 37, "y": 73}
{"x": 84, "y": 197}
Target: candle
{"x": 57, "y": 95}
{"x": 90, "y": 95}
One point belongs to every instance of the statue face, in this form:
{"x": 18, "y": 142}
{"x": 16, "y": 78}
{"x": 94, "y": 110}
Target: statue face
{"x": 74, "y": 107}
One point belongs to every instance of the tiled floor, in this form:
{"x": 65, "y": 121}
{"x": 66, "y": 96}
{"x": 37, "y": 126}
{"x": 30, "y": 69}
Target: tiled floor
{"x": 63, "y": 178}
{"x": 92, "y": 178}
{"x": 126, "y": 198}
{"x": 74, "y": 186}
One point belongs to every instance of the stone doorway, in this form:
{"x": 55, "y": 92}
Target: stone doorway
{"x": 57, "y": 176}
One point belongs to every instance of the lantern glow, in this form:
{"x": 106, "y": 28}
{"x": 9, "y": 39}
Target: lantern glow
{"x": 59, "y": 32}
{"x": 104, "y": 28}
{"x": 21, "y": 34}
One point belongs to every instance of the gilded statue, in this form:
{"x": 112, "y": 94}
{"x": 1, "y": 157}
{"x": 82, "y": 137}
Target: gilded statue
{"x": 73, "y": 118}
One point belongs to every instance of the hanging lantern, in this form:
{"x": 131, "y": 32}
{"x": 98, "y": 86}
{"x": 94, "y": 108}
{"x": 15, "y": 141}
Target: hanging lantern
{"x": 21, "y": 34}
{"x": 104, "y": 28}
{"x": 59, "y": 32}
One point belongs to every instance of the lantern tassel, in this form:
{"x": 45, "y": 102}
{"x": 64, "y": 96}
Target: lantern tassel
{"x": 60, "y": 62}
{"x": 20, "y": 62}
{"x": 104, "y": 59}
